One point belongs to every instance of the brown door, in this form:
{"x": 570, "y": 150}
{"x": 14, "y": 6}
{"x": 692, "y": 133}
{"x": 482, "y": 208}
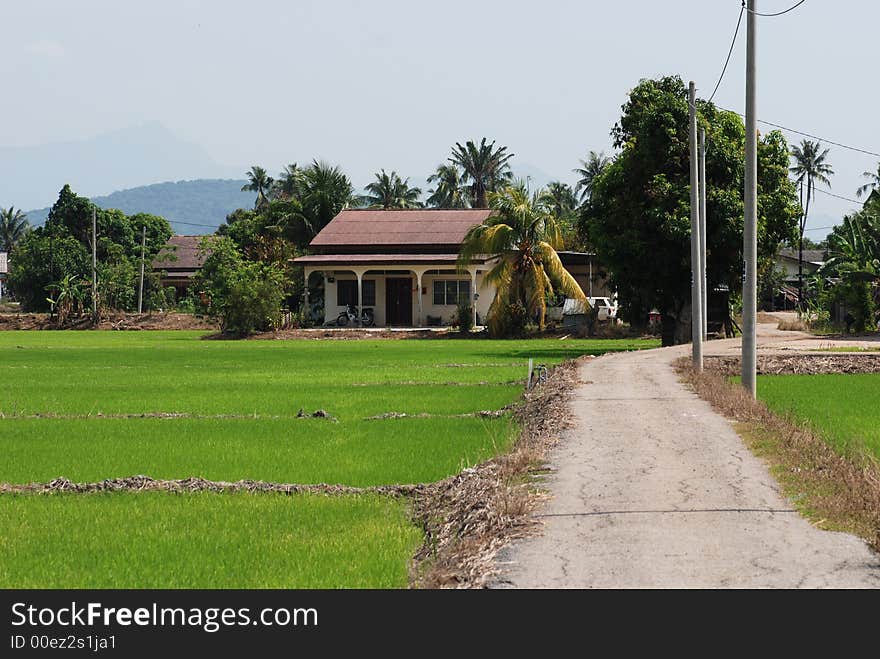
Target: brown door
{"x": 398, "y": 302}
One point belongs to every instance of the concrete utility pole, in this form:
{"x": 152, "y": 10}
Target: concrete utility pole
{"x": 141, "y": 286}
{"x": 750, "y": 221}
{"x": 703, "y": 237}
{"x": 696, "y": 283}
{"x": 94, "y": 265}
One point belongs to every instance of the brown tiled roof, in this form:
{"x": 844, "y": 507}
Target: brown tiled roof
{"x": 810, "y": 255}
{"x": 403, "y": 228}
{"x": 180, "y": 253}
{"x": 380, "y": 259}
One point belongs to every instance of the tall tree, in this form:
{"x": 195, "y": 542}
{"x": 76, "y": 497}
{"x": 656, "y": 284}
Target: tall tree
{"x": 810, "y": 166}
{"x": 561, "y": 199}
{"x": 523, "y": 235}
{"x": 638, "y": 215}
{"x": 390, "y": 191}
{"x": 447, "y": 191}
{"x": 872, "y": 185}
{"x": 13, "y": 227}
{"x": 260, "y": 182}
{"x": 287, "y": 183}
{"x": 590, "y": 169}
{"x": 485, "y": 169}
{"x": 324, "y": 191}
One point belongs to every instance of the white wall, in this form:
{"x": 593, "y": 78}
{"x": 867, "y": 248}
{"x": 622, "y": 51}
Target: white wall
{"x": 445, "y": 312}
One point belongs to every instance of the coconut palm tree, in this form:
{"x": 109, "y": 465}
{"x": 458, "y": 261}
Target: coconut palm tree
{"x": 562, "y": 199}
{"x": 390, "y": 191}
{"x": 287, "y": 182}
{"x": 324, "y": 190}
{"x": 447, "y": 192}
{"x": 872, "y": 184}
{"x": 13, "y": 227}
{"x": 522, "y": 235}
{"x": 810, "y": 167}
{"x": 260, "y": 182}
{"x": 485, "y": 169}
{"x": 589, "y": 170}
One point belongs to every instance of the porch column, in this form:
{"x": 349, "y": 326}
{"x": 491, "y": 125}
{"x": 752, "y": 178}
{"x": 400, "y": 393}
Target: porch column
{"x": 360, "y": 277}
{"x": 306, "y": 274}
{"x": 473, "y": 272}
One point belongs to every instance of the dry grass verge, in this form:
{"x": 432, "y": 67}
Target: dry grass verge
{"x": 793, "y": 325}
{"x": 469, "y": 517}
{"x": 834, "y": 491}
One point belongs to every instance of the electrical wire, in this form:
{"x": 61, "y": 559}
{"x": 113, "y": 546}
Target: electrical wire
{"x": 729, "y": 52}
{"x": 779, "y": 13}
{"x": 815, "y": 137}
{"x": 837, "y": 196}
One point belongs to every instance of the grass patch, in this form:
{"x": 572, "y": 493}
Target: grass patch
{"x": 262, "y": 384}
{"x": 841, "y": 408}
{"x": 70, "y": 405}
{"x": 204, "y": 540}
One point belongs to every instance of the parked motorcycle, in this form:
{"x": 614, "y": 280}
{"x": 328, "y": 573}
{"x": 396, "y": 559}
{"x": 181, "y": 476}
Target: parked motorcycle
{"x": 350, "y": 316}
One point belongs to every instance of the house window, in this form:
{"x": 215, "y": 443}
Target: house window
{"x": 347, "y": 292}
{"x": 451, "y": 291}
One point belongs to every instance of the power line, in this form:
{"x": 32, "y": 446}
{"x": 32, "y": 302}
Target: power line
{"x": 831, "y": 194}
{"x": 779, "y": 13}
{"x": 815, "y": 137}
{"x": 729, "y": 52}
{"x": 192, "y": 224}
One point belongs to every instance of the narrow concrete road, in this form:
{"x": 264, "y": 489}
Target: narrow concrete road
{"x": 653, "y": 489}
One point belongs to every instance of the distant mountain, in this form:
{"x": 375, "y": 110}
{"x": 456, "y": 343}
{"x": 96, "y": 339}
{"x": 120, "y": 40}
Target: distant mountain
{"x": 30, "y": 177}
{"x": 192, "y": 207}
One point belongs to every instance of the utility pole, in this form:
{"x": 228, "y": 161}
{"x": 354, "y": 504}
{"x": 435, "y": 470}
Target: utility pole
{"x": 750, "y": 220}
{"x": 94, "y": 265}
{"x": 703, "y": 237}
{"x": 696, "y": 283}
{"x": 141, "y": 286}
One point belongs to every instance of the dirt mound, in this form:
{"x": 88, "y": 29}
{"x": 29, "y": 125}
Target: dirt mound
{"x": 112, "y": 321}
{"x": 809, "y": 364}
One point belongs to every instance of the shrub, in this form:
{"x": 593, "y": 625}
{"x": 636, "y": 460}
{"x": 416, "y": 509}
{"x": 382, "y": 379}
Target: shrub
{"x": 465, "y": 315}
{"x": 245, "y": 296}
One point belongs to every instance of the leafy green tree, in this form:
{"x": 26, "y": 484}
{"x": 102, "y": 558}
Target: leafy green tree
{"x": 485, "y": 169}
{"x": 590, "y": 169}
{"x": 14, "y": 226}
{"x": 638, "y": 214}
{"x": 42, "y": 259}
{"x": 260, "y": 182}
{"x": 390, "y": 191}
{"x": 447, "y": 191}
{"x": 809, "y": 167}
{"x": 872, "y": 185}
{"x": 245, "y": 296}
{"x": 62, "y": 247}
{"x": 71, "y": 215}
{"x": 523, "y": 235}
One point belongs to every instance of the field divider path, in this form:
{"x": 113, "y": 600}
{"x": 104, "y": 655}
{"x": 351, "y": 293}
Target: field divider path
{"x": 651, "y": 488}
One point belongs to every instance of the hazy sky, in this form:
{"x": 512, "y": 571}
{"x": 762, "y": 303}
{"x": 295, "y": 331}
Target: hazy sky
{"x": 393, "y": 84}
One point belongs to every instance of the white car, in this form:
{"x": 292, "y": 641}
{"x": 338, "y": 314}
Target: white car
{"x": 607, "y": 308}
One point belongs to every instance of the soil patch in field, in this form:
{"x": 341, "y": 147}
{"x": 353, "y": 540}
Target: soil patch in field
{"x": 804, "y": 364}
{"x": 113, "y": 321}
